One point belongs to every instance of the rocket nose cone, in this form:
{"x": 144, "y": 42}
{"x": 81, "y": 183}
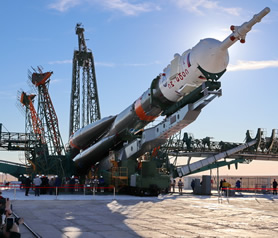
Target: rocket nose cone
{"x": 208, "y": 54}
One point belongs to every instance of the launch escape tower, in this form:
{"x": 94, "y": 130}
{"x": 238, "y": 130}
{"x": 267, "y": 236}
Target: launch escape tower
{"x": 83, "y": 64}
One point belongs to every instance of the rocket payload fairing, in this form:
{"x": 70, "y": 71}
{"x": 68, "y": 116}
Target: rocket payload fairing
{"x": 207, "y": 61}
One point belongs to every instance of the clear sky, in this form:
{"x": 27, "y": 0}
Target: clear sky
{"x": 132, "y": 41}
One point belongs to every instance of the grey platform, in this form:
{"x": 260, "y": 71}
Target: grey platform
{"x": 173, "y": 215}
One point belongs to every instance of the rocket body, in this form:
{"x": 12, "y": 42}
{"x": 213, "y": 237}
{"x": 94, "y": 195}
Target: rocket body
{"x": 182, "y": 76}
{"x": 207, "y": 60}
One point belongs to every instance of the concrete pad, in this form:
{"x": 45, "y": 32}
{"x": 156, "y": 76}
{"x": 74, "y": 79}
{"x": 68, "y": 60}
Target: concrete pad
{"x": 162, "y": 216}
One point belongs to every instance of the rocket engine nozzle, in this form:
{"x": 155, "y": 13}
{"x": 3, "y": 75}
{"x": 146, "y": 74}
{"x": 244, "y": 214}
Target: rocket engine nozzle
{"x": 239, "y": 32}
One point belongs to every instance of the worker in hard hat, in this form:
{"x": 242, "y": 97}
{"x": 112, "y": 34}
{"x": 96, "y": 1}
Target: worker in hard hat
{"x": 225, "y": 186}
{"x": 101, "y": 184}
{"x": 37, "y": 182}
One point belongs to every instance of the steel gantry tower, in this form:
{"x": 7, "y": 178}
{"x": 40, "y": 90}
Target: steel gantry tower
{"x": 32, "y": 119}
{"x": 83, "y": 64}
{"x": 47, "y": 112}
{"x": 35, "y": 153}
{"x": 42, "y": 142}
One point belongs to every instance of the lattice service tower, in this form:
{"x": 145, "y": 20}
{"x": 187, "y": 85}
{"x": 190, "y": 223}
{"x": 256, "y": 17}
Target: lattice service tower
{"x": 47, "y": 112}
{"x": 83, "y": 63}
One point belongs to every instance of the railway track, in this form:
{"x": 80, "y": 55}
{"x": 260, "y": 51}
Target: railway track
{"x": 25, "y": 230}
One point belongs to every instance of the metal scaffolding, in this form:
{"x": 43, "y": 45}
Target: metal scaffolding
{"x": 83, "y": 64}
{"x": 47, "y": 112}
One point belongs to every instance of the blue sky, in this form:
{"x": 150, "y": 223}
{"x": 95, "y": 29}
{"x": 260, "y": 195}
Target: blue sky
{"x": 132, "y": 41}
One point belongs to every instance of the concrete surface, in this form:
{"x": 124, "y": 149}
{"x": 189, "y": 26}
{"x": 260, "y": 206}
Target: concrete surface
{"x": 175, "y": 215}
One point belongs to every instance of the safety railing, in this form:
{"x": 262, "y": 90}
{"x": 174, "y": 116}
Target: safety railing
{"x": 231, "y": 192}
{"x": 79, "y": 189}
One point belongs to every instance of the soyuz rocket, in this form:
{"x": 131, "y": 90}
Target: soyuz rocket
{"x": 206, "y": 61}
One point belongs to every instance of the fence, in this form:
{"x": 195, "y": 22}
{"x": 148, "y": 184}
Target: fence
{"x": 230, "y": 192}
{"x": 63, "y": 190}
{"x": 246, "y": 181}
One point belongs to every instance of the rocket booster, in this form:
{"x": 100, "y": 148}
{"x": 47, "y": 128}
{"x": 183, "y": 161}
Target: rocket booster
{"x": 207, "y": 60}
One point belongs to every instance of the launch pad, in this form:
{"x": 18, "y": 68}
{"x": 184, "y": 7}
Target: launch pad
{"x": 163, "y": 216}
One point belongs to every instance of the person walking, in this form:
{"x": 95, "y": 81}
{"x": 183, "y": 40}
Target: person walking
{"x": 221, "y": 185}
{"x": 238, "y": 185}
{"x": 57, "y": 184}
{"x": 28, "y": 184}
{"x": 95, "y": 184}
{"x": 72, "y": 184}
{"x": 173, "y": 185}
{"x": 45, "y": 184}
{"x": 226, "y": 187}
{"x": 101, "y": 184}
{"x": 193, "y": 184}
{"x": 180, "y": 185}
{"x": 51, "y": 185}
{"x": 37, "y": 182}
{"x": 274, "y": 185}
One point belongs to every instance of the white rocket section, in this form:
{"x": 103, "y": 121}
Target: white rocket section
{"x": 182, "y": 76}
{"x": 208, "y": 54}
